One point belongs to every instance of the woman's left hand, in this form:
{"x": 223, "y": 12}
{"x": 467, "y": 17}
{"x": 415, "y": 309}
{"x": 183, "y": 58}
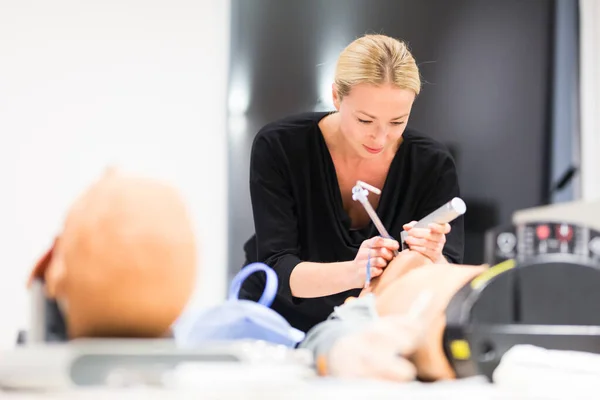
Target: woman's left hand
{"x": 428, "y": 241}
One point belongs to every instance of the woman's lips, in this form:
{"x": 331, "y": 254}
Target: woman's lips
{"x": 373, "y": 150}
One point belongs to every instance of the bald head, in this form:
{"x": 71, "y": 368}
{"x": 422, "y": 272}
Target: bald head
{"x": 125, "y": 262}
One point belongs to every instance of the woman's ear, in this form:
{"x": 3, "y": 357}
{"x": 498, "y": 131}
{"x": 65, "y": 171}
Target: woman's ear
{"x": 336, "y": 98}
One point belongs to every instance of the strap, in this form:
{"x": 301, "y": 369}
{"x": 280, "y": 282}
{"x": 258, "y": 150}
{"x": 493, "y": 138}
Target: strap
{"x": 271, "y": 283}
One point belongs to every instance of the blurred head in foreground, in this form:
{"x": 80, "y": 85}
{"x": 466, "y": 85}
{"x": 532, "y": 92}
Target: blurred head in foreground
{"x": 124, "y": 264}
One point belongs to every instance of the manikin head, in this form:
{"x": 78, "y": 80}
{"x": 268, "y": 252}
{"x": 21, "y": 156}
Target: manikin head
{"x": 124, "y": 264}
{"x": 376, "y": 82}
{"x": 410, "y": 280}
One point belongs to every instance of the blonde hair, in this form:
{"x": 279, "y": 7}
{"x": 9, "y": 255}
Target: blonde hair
{"x": 376, "y": 59}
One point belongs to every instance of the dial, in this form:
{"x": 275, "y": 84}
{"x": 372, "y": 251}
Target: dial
{"x": 506, "y": 242}
{"x": 594, "y": 246}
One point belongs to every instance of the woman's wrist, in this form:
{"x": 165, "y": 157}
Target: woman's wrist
{"x": 442, "y": 259}
{"x": 345, "y": 275}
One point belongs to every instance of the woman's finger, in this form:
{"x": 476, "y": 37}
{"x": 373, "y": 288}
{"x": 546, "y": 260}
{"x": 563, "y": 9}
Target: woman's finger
{"x": 387, "y": 243}
{"x": 419, "y": 232}
{"x": 409, "y": 226}
{"x": 370, "y": 254}
{"x": 423, "y": 250}
{"x": 436, "y": 237}
{"x": 436, "y": 245}
{"x": 440, "y": 228}
{"x": 433, "y": 252}
{"x": 379, "y": 242}
{"x": 388, "y": 255}
{"x": 433, "y": 245}
{"x": 415, "y": 241}
{"x": 425, "y": 234}
{"x": 379, "y": 262}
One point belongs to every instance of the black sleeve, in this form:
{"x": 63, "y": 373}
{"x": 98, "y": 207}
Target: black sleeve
{"x": 274, "y": 211}
{"x": 443, "y": 190}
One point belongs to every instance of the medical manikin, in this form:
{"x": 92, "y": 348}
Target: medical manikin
{"x": 124, "y": 264}
{"x": 445, "y": 321}
{"x": 394, "y": 329}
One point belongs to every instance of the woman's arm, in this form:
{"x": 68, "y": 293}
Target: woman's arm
{"x": 315, "y": 280}
{"x": 274, "y": 210}
{"x": 274, "y": 207}
{"x": 310, "y": 279}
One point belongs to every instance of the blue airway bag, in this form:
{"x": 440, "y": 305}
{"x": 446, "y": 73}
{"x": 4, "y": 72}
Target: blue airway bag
{"x": 239, "y": 319}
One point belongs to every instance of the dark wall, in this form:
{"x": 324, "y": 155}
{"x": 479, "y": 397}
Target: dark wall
{"x": 486, "y": 66}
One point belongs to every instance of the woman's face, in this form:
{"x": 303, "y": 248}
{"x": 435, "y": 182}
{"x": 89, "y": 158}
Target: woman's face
{"x": 373, "y": 118}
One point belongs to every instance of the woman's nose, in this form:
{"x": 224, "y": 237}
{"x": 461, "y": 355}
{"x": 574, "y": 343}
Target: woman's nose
{"x": 380, "y": 132}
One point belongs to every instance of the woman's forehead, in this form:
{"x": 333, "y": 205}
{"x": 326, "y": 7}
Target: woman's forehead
{"x": 380, "y": 101}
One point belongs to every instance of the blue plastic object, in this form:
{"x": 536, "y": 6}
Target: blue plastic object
{"x": 237, "y": 319}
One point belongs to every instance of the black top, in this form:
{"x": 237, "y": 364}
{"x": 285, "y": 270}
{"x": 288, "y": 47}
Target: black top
{"x": 299, "y": 214}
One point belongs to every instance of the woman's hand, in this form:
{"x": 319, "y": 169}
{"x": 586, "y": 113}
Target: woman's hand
{"x": 428, "y": 241}
{"x": 378, "y": 252}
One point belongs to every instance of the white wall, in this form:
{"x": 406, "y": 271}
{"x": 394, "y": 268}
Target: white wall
{"x": 83, "y": 84}
{"x": 590, "y": 98}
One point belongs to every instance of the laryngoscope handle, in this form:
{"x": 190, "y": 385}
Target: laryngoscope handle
{"x": 443, "y": 215}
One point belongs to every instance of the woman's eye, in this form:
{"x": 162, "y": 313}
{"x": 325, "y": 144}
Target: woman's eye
{"x": 364, "y": 121}
{"x": 397, "y": 122}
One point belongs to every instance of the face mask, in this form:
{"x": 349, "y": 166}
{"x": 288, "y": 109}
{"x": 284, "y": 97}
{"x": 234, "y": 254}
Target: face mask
{"x": 239, "y": 319}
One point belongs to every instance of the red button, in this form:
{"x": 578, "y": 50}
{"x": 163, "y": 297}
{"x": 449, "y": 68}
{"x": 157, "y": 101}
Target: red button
{"x": 564, "y": 232}
{"x": 543, "y": 232}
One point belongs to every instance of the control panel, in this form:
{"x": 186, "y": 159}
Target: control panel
{"x": 541, "y": 237}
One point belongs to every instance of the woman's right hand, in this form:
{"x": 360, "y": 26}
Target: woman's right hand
{"x": 378, "y": 252}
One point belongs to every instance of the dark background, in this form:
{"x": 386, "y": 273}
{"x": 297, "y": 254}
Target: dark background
{"x": 487, "y": 70}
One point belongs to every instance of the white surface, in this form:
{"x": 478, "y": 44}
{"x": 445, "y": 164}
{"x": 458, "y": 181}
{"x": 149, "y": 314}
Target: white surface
{"x": 534, "y": 369}
{"x": 586, "y": 213}
{"x": 282, "y": 380}
{"x": 590, "y": 98}
{"x": 83, "y": 84}
{"x": 320, "y": 389}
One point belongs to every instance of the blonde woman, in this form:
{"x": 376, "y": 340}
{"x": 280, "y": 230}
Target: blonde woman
{"x": 303, "y": 168}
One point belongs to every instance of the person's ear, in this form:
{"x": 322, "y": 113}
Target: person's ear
{"x": 41, "y": 266}
{"x": 336, "y": 98}
{"x": 55, "y": 278}
{"x": 50, "y": 268}
{"x": 55, "y": 273}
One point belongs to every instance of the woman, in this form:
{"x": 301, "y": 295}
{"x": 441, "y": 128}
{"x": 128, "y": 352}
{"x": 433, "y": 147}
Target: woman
{"x": 303, "y": 168}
